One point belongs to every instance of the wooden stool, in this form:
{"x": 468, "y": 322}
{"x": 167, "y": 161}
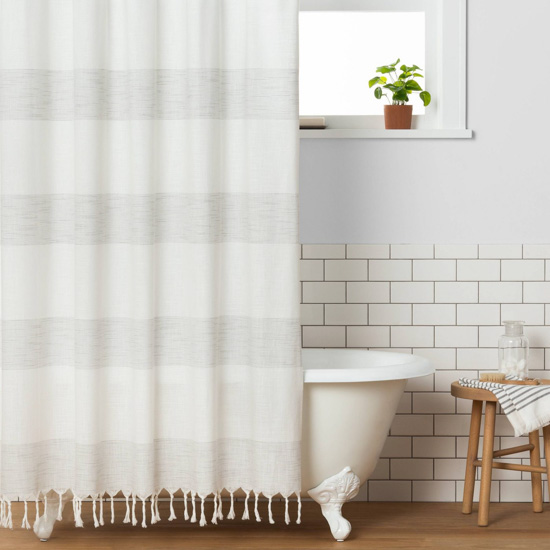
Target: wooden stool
{"x": 487, "y": 464}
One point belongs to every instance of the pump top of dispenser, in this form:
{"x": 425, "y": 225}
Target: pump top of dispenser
{"x": 513, "y": 328}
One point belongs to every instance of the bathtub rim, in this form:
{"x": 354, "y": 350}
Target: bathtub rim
{"x": 399, "y": 366}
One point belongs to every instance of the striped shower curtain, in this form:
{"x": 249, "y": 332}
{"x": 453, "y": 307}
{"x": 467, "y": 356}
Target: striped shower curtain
{"x": 149, "y": 286}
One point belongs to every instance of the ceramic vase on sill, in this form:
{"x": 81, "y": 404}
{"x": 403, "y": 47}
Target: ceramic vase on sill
{"x": 398, "y": 117}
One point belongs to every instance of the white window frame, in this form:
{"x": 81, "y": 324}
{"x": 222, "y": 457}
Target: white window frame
{"x": 445, "y": 71}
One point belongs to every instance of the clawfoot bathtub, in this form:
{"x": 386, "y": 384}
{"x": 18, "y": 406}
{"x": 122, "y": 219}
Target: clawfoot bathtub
{"x": 350, "y": 399}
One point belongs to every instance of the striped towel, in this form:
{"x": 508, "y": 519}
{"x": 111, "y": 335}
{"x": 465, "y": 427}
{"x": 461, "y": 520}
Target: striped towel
{"x": 526, "y": 407}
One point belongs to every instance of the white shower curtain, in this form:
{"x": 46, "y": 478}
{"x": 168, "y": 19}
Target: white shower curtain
{"x": 149, "y": 288}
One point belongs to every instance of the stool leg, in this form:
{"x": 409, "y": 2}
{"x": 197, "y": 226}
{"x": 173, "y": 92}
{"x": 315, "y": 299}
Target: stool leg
{"x": 487, "y": 463}
{"x": 473, "y": 445}
{"x": 536, "y": 479}
{"x": 546, "y": 434}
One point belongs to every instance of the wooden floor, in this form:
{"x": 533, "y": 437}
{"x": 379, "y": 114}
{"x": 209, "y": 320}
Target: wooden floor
{"x": 375, "y": 526}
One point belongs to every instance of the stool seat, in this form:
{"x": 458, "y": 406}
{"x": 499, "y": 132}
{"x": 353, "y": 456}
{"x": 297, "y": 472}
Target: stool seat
{"x": 480, "y": 397}
{"x": 474, "y": 394}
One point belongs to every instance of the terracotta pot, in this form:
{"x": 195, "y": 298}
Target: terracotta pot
{"x": 398, "y": 117}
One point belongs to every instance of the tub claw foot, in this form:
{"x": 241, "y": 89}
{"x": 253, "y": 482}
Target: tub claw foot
{"x": 331, "y": 495}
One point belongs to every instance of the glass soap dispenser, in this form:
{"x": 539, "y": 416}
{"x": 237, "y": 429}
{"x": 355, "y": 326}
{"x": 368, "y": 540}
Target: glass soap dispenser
{"x": 513, "y": 350}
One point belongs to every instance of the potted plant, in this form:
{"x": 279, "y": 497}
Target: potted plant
{"x": 398, "y": 115}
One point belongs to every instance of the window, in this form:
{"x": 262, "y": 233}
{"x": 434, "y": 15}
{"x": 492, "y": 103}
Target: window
{"x": 343, "y": 41}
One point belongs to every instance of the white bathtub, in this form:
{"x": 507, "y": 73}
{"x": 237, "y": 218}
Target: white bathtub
{"x": 350, "y": 399}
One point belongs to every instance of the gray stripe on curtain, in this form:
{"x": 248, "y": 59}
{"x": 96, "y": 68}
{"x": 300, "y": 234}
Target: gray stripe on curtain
{"x": 149, "y": 343}
{"x": 30, "y": 94}
{"x": 149, "y": 219}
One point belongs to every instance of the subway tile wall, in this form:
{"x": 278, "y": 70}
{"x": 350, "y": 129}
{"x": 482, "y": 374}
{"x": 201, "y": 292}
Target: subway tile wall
{"x": 447, "y": 303}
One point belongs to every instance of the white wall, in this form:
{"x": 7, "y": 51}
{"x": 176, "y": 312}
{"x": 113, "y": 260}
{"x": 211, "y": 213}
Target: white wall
{"x": 494, "y": 188}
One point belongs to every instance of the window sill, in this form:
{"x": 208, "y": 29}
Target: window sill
{"x": 348, "y": 133}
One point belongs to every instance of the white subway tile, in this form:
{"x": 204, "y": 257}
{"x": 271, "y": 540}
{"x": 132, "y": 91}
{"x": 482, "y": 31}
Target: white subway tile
{"x": 502, "y": 426}
{"x": 390, "y": 270}
{"x": 452, "y": 424}
{"x": 539, "y": 337}
{"x": 449, "y": 468}
{"x": 478, "y": 270}
{"x": 324, "y": 337}
{"x": 390, "y": 314}
{"x": 412, "y": 251}
{"x": 509, "y": 442}
{"x": 522, "y": 270}
{"x": 324, "y": 293}
{"x": 434, "y": 314}
{"x": 412, "y": 424}
{"x": 500, "y": 251}
{"x": 455, "y": 251}
{"x": 434, "y": 491}
{"x": 346, "y": 270}
{"x": 422, "y": 383}
{"x": 411, "y": 468}
{"x": 397, "y": 447}
{"x": 434, "y": 270}
{"x": 494, "y": 494}
{"x": 444, "y": 378}
{"x": 456, "y": 337}
{"x": 515, "y": 491}
{"x": 433, "y": 447}
{"x": 478, "y": 314}
{"x": 462, "y": 442}
{"x": 405, "y": 337}
{"x": 405, "y": 404}
{"x": 346, "y": 314}
{"x": 311, "y": 270}
{"x": 433, "y": 403}
{"x": 368, "y": 251}
{"x": 547, "y": 270}
{"x": 536, "y": 251}
{"x": 488, "y": 336}
{"x": 546, "y": 315}
{"x": 441, "y": 358}
{"x": 536, "y": 293}
{"x": 368, "y": 293}
{"x": 323, "y": 251}
{"x": 312, "y": 314}
{"x": 412, "y": 293}
{"x": 536, "y": 357}
{"x": 498, "y": 293}
{"x": 368, "y": 337}
{"x": 389, "y": 491}
{"x": 455, "y": 293}
{"x": 499, "y": 475}
{"x": 532, "y": 314}
{"x": 382, "y": 469}
{"x": 481, "y": 359}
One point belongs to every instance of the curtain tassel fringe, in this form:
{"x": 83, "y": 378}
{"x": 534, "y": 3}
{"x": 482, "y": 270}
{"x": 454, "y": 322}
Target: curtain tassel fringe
{"x": 185, "y": 512}
{"x": 101, "y": 522}
{"x": 231, "y": 514}
{"x": 127, "y": 516}
{"x": 256, "y": 513}
{"x": 270, "y": 512}
{"x": 172, "y": 516}
{"x": 25, "y": 523}
{"x": 194, "y": 514}
{"x": 287, "y": 515}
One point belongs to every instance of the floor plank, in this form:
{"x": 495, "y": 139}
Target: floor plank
{"x": 375, "y": 526}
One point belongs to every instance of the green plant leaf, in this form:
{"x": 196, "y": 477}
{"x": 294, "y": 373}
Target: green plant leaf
{"x": 403, "y": 76}
{"x": 374, "y": 81}
{"x": 399, "y": 84}
{"x": 403, "y": 68}
{"x": 418, "y": 75}
{"x": 415, "y": 68}
{"x": 378, "y": 93}
{"x": 401, "y": 95}
{"x": 385, "y": 69}
{"x": 391, "y": 87}
{"x": 394, "y": 64}
{"x": 426, "y": 98}
{"x": 413, "y": 86}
